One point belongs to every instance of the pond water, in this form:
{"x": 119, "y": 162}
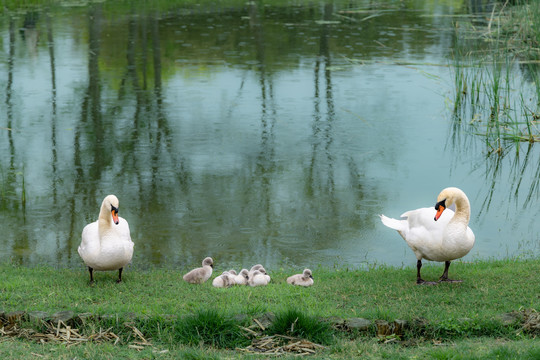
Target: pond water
{"x": 251, "y": 133}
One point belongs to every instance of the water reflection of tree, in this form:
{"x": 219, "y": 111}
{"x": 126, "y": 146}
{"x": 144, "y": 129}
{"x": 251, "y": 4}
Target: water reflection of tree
{"x": 265, "y": 161}
{"x": 104, "y": 145}
{"x": 130, "y": 139}
{"x": 160, "y": 133}
{"x": 328, "y": 208}
{"x": 57, "y": 216}
{"x": 323, "y": 136}
{"x": 9, "y": 103}
{"x": 89, "y": 134}
{"x": 313, "y": 222}
{"x": 10, "y": 200}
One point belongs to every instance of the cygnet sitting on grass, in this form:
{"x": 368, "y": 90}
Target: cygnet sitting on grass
{"x": 200, "y": 275}
{"x": 259, "y": 268}
{"x": 304, "y": 279}
{"x": 263, "y": 271}
{"x": 258, "y": 279}
{"x": 242, "y": 277}
{"x": 226, "y": 279}
{"x": 253, "y": 268}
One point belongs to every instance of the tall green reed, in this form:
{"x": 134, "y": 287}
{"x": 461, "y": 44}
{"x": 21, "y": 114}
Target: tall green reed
{"x": 494, "y": 97}
{"x": 497, "y": 96}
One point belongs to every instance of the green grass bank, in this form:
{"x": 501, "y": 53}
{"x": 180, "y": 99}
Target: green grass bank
{"x": 488, "y": 288}
{"x": 199, "y": 321}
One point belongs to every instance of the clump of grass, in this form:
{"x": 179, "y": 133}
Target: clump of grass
{"x": 522, "y": 25}
{"x": 296, "y": 323}
{"x": 211, "y": 328}
{"x": 460, "y": 328}
{"x": 380, "y": 312}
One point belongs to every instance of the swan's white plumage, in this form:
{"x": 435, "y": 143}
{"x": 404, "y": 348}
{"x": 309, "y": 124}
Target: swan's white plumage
{"x": 429, "y": 239}
{"x": 106, "y": 245}
{"x": 445, "y": 239}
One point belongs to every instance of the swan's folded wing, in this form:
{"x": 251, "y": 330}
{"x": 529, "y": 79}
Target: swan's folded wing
{"x": 123, "y": 230}
{"x": 89, "y": 236}
{"x": 424, "y": 235}
{"x": 420, "y": 238}
{"x": 90, "y": 244}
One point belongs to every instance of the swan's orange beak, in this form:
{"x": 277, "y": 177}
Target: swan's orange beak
{"x": 440, "y": 208}
{"x": 114, "y": 213}
{"x": 439, "y": 212}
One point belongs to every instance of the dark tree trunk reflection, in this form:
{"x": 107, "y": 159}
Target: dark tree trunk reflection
{"x": 9, "y": 94}
{"x": 265, "y": 166}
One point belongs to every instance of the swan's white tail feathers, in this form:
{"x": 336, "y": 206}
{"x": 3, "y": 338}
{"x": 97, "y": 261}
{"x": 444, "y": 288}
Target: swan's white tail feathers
{"x": 392, "y": 223}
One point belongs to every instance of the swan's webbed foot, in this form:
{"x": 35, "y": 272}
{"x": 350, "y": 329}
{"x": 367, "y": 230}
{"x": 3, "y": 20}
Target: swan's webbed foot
{"x": 444, "y": 276}
{"x": 442, "y": 279}
{"x": 424, "y": 282}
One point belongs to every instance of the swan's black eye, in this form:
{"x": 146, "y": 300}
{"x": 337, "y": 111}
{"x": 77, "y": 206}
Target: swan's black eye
{"x": 114, "y": 209}
{"x": 439, "y": 204}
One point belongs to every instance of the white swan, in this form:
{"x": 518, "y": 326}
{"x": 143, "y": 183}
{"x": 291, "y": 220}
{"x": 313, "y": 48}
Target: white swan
{"x": 304, "y": 279}
{"x": 435, "y": 234}
{"x": 106, "y": 243}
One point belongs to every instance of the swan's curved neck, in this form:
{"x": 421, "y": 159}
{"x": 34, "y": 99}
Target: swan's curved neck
{"x": 105, "y": 218}
{"x": 463, "y": 210}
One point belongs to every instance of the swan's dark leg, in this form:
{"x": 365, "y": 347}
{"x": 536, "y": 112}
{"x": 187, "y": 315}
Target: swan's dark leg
{"x": 91, "y": 271}
{"x": 444, "y": 276}
{"x": 419, "y": 280}
{"x": 119, "y": 275}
